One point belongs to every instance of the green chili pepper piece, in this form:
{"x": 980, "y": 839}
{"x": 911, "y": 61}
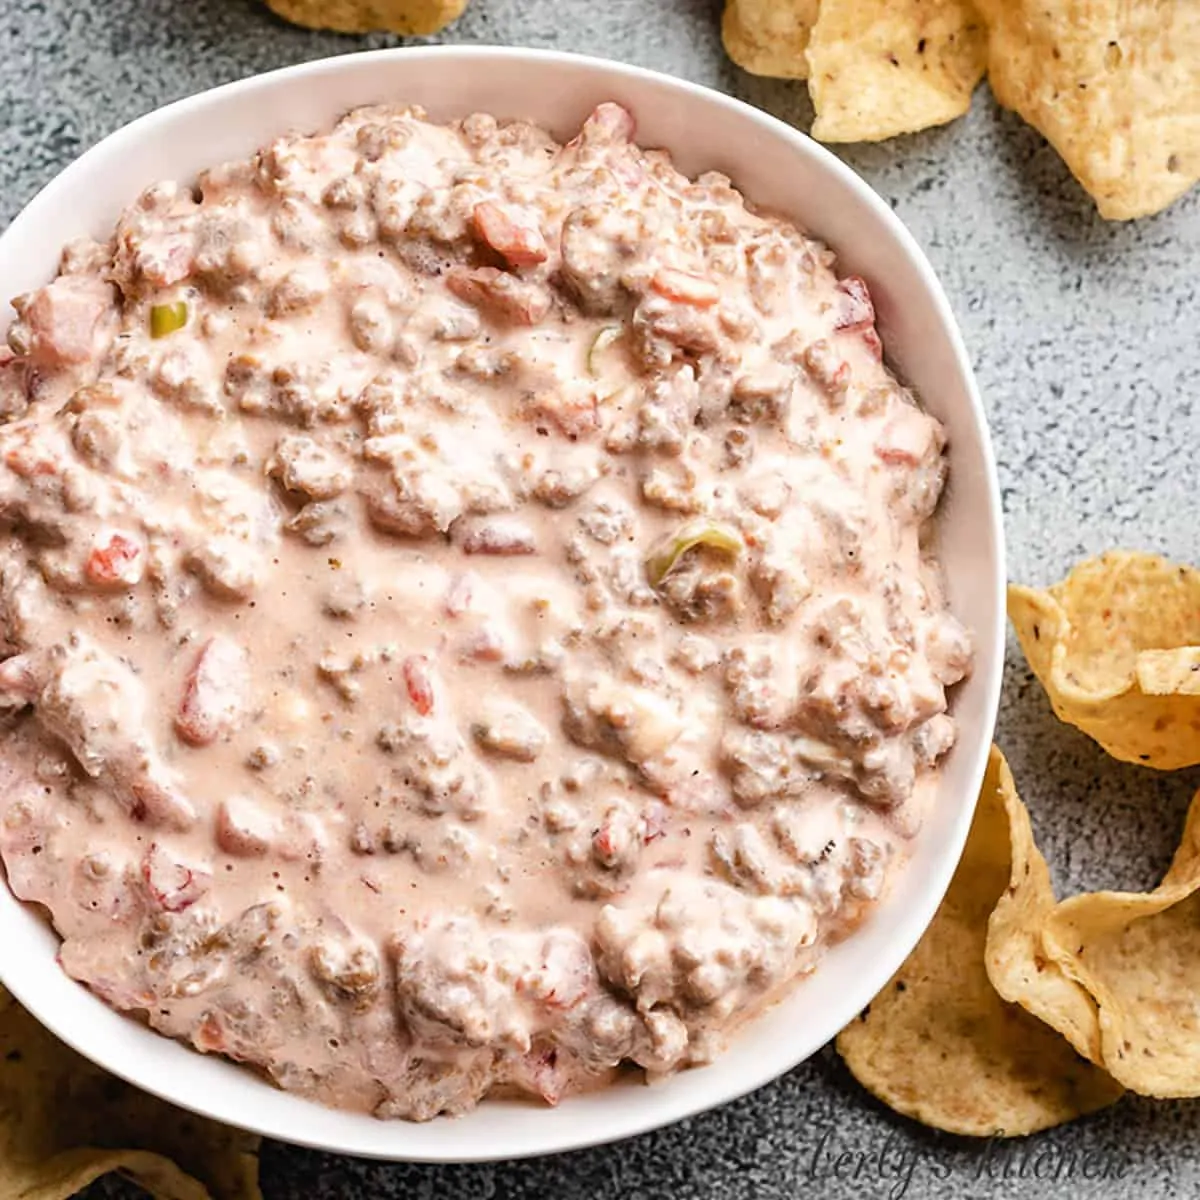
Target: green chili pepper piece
{"x": 701, "y": 532}
{"x": 167, "y": 318}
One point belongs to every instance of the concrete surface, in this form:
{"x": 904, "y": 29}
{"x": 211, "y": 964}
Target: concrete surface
{"x": 1085, "y": 339}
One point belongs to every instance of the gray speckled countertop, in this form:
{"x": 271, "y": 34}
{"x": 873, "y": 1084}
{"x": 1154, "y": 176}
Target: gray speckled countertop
{"x": 1084, "y": 336}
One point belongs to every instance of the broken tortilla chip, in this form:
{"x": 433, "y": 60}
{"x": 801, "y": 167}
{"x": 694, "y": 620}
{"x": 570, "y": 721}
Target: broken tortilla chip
{"x": 878, "y": 68}
{"x": 1116, "y": 645}
{"x": 769, "y": 37}
{"x": 64, "y": 1123}
{"x": 1017, "y": 962}
{"x": 409, "y": 17}
{"x": 1138, "y": 954}
{"x": 1113, "y": 85}
{"x": 940, "y": 1045}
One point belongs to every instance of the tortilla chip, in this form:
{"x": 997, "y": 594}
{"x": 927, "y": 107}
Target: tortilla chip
{"x": 62, "y": 1120}
{"x": 1139, "y": 956}
{"x": 882, "y": 67}
{"x": 1113, "y": 85}
{"x": 769, "y": 37}
{"x": 1017, "y": 962}
{"x": 408, "y": 17}
{"x": 1169, "y": 672}
{"x": 1116, "y": 645}
{"x": 939, "y": 1044}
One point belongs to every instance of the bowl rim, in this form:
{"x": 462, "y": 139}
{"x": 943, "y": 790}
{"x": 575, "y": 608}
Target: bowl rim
{"x": 248, "y": 1117}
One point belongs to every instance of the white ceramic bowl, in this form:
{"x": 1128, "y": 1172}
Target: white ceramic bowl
{"x": 774, "y": 166}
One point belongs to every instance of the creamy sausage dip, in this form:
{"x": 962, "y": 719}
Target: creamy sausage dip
{"x": 470, "y": 620}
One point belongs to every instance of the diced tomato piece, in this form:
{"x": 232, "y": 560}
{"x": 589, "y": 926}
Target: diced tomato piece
{"x": 654, "y": 822}
{"x": 519, "y": 243}
{"x": 27, "y": 454}
{"x": 874, "y": 343}
{"x": 210, "y": 1037}
{"x": 172, "y": 885}
{"x": 18, "y": 679}
{"x": 602, "y": 843}
{"x": 116, "y": 563}
{"x": 28, "y": 466}
{"x": 841, "y": 378}
{"x": 575, "y": 412}
{"x": 458, "y": 595}
{"x": 63, "y": 317}
{"x": 485, "y": 645}
{"x": 160, "y": 804}
{"x": 685, "y": 288}
{"x": 608, "y": 135}
{"x": 505, "y": 296}
{"x": 243, "y": 828}
{"x": 856, "y": 310}
{"x": 906, "y": 439}
{"x": 611, "y": 122}
{"x": 418, "y": 679}
{"x": 214, "y": 693}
